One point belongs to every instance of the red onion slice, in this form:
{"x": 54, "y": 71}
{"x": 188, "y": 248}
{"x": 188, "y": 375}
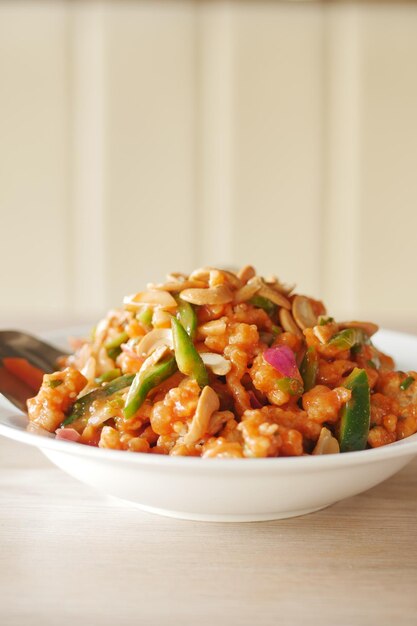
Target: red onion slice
{"x": 282, "y": 358}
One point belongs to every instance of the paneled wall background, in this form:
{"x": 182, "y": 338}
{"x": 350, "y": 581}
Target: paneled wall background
{"x": 142, "y": 137}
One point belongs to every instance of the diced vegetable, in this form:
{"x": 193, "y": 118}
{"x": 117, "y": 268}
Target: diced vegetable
{"x": 282, "y": 358}
{"x": 355, "y": 417}
{"x": 407, "y": 382}
{"x": 186, "y": 315}
{"x": 55, "y": 382}
{"x": 265, "y": 304}
{"x": 188, "y": 359}
{"x": 145, "y": 318}
{"x": 145, "y": 381}
{"x": 293, "y": 386}
{"x": 24, "y": 371}
{"x": 113, "y": 346}
{"x": 349, "y": 338}
{"x": 80, "y": 407}
{"x": 108, "y": 376}
{"x": 309, "y": 368}
{"x": 323, "y": 320}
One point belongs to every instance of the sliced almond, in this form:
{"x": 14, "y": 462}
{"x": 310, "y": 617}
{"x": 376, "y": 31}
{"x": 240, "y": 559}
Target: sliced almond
{"x": 368, "y": 327}
{"x": 217, "y": 420}
{"x": 246, "y": 273}
{"x": 224, "y": 277}
{"x": 303, "y": 312}
{"x": 326, "y": 443}
{"x": 208, "y": 402}
{"x": 89, "y": 369}
{"x": 154, "y": 357}
{"x": 274, "y": 296}
{"x": 202, "y": 273}
{"x": 216, "y": 362}
{"x": 161, "y": 318}
{"x": 176, "y": 285}
{"x": 215, "y": 327}
{"x": 153, "y": 340}
{"x": 325, "y": 332}
{"x": 212, "y": 295}
{"x": 152, "y": 297}
{"x": 288, "y": 324}
{"x": 248, "y": 291}
{"x": 275, "y": 283}
{"x": 174, "y": 276}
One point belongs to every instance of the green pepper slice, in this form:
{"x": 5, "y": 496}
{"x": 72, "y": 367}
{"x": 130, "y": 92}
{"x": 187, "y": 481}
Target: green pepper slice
{"x": 355, "y": 417}
{"x": 309, "y": 367}
{"x": 406, "y": 383}
{"x": 113, "y": 346}
{"x": 145, "y": 381}
{"x": 186, "y": 315}
{"x": 265, "y": 304}
{"x": 188, "y": 359}
{"x": 349, "y": 338}
{"x": 80, "y": 406}
{"x": 145, "y": 318}
{"x": 292, "y": 386}
{"x": 108, "y": 376}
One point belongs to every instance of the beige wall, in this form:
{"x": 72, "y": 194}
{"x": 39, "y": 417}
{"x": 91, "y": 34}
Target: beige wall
{"x": 140, "y": 137}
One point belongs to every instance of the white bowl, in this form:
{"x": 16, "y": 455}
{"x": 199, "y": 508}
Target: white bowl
{"x": 241, "y": 490}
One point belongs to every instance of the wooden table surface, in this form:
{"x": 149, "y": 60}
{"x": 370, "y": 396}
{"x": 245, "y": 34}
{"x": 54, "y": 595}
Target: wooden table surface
{"x": 71, "y": 556}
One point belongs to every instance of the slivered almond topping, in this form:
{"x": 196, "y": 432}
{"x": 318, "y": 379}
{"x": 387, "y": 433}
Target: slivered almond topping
{"x": 161, "y": 318}
{"x": 216, "y": 362}
{"x": 326, "y": 443}
{"x": 246, "y": 273}
{"x": 368, "y": 327}
{"x": 212, "y": 295}
{"x": 208, "y": 402}
{"x": 274, "y": 296}
{"x": 215, "y": 327}
{"x": 248, "y": 291}
{"x": 303, "y": 312}
{"x": 155, "y": 356}
{"x": 288, "y": 324}
{"x": 152, "y": 297}
{"x": 153, "y": 340}
{"x": 176, "y": 285}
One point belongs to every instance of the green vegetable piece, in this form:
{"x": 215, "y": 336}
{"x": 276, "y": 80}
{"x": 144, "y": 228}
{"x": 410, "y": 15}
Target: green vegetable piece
{"x": 276, "y": 330}
{"x": 80, "y": 407}
{"x": 293, "y": 386}
{"x": 113, "y": 346}
{"x": 349, "y": 338}
{"x": 186, "y": 315}
{"x": 145, "y": 318}
{"x": 188, "y": 359}
{"x": 323, "y": 320}
{"x": 371, "y": 363}
{"x": 55, "y": 383}
{"x": 108, "y": 376}
{"x": 309, "y": 367}
{"x": 145, "y": 381}
{"x": 407, "y": 382}
{"x": 265, "y": 304}
{"x": 355, "y": 417}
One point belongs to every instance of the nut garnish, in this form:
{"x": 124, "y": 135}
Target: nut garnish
{"x": 326, "y": 443}
{"x": 288, "y": 324}
{"x": 212, "y": 295}
{"x": 303, "y": 312}
{"x": 152, "y": 297}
